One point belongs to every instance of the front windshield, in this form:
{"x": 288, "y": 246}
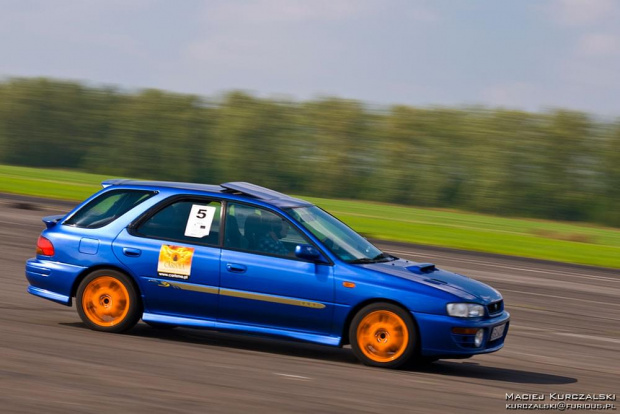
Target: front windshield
{"x": 337, "y": 236}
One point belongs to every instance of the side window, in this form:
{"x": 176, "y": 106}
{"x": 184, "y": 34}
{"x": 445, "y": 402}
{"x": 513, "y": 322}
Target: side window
{"x": 190, "y": 221}
{"x": 260, "y": 231}
{"x": 107, "y": 207}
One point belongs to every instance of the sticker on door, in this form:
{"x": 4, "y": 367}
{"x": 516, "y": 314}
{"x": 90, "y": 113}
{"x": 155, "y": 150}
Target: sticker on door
{"x": 175, "y": 261}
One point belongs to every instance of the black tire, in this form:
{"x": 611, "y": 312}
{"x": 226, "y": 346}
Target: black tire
{"x": 383, "y": 335}
{"x": 107, "y": 301}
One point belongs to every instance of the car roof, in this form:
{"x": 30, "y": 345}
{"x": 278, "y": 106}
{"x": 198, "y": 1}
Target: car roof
{"x": 238, "y": 188}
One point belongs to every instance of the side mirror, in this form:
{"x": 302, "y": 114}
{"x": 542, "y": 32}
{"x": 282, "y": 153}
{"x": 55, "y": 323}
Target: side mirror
{"x": 308, "y": 252}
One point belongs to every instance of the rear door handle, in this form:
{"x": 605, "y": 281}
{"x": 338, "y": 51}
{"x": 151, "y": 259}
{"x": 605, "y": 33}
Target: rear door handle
{"x": 131, "y": 252}
{"x": 236, "y": 268}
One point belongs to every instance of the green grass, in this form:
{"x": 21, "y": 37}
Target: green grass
{"x": 540, "y": 239}
{"x": 57, "y": 184}
{"x": 560, "y": 241}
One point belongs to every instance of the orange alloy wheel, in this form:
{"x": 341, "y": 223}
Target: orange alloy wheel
{"x": 105, "y": 301}
{"x": 382, "y": 336}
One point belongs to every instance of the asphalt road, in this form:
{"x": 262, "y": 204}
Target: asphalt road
{"x": 564, "y": 338}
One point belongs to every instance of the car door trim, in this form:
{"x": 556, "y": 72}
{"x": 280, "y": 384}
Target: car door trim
{"x": 271, "y": 298}
{"x": 185, "y": 286}
{"x": 237, "y": 293}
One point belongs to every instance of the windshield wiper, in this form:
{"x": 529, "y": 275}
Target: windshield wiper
{"x": 363, "y": 260}
{"x": 380, "y": 258}
{"x": 384, "y": 255}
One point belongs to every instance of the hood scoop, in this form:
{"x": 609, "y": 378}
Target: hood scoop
{"x": 436, "y": 281}
{"x": 422, "y": 268}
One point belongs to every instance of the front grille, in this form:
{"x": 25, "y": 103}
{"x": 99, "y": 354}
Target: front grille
{"x": 495, "y": 307}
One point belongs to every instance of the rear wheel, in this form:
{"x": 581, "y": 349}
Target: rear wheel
{"x": 107, "y": 301}
{"x": 383, "y": 335}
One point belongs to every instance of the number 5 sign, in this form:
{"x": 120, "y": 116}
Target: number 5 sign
{"x": 199, "y": 221}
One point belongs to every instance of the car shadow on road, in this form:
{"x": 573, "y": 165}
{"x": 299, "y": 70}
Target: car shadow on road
{"x": 465, "y": 369}
{"x": 244, "y": 342}
{"x": 471, "y": 369}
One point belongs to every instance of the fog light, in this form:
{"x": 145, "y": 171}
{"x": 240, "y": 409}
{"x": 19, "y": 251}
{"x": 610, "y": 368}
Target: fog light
{"x": 479, "y": 337}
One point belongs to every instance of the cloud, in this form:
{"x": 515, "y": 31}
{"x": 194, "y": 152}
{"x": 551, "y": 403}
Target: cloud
{"x": 288, "y": 11}
{"x": 598, "y": 45}
{"x": 582, "y": 12}
{"x": 272, "y": 35}
{"x": 510, "y": 94}
{"x": 300, "y": 11}
{"x": 591, "y": 73}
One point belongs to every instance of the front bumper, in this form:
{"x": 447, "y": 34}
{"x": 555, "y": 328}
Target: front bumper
{"x": 52, "y": 280}
{"x": 438, "y": 340}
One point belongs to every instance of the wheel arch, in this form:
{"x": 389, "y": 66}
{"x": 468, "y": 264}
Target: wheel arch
{"x": 86, "y": 272}
{"x": 354, "y": 310}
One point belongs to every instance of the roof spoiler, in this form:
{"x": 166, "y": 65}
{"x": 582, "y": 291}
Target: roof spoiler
{"x": 114, "y": 181}
{"x": 51, "y": 221}
{"x": 257, "y": 191}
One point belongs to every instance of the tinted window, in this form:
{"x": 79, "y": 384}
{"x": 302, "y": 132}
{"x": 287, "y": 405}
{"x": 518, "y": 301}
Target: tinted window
{"x": 260, "y": 231}
{"x": 107, "y": 207}
{"x": 191, "y": 221}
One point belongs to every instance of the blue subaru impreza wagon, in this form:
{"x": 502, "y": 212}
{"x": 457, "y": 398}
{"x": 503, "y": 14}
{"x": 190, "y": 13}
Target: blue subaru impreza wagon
{"x": 244, "y": 258}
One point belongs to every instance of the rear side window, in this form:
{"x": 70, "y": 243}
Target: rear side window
{"x": 188, "y": 221}
{"x": 107, "y": 207}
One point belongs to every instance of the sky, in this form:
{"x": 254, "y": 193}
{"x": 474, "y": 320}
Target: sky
{"x": 523, "y": 54}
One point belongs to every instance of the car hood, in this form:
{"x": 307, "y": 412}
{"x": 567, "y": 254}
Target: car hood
{"x": 427, "y": 274}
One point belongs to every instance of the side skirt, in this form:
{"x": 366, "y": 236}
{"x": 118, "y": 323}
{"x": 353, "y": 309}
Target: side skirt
{"x": 224, "y": 326}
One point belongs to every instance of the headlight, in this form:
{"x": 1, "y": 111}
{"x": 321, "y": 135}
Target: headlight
{"x": 465, "y": 310}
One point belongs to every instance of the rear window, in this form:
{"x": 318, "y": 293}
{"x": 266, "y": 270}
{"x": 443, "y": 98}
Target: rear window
{"x": 107, "y": 207}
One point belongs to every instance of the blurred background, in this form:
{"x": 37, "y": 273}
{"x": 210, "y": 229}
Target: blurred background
{"x": 558, "y": 164}
{"x": 426, "y": 125}
{"x": 507, "y": 108}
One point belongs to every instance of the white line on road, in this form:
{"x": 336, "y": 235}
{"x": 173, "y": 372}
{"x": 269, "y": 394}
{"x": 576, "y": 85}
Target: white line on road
{"x": 589, "y": 337}
{"x": 297, "y": 377}
{"x": 570, "y": 334}
{"x": 598, "y": 302}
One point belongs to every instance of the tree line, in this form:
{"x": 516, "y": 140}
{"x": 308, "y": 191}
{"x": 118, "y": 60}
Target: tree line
{"x": 560, "y": 164}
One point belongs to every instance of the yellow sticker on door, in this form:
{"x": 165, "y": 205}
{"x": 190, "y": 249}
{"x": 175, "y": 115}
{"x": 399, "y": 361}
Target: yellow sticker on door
{"x": 175, "y": 261}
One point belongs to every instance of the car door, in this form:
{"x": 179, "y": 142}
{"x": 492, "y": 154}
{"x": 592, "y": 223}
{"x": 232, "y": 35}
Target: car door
{"x": 174, "y": 252}
{"x": 263, "y": 283}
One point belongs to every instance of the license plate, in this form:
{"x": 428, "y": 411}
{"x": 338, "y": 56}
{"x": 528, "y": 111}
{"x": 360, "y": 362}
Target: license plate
{"x": 497, "y": 332}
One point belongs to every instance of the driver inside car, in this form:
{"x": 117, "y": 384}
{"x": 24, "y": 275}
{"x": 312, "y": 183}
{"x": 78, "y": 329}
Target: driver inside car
{"x": 270, "y": 242}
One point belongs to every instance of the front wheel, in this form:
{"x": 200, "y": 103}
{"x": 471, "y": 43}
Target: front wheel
{"x": 107, "y": 301}
{"x": 383, "y": 335}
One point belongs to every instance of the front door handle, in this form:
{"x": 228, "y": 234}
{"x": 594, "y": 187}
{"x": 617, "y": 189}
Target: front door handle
{"x": 131, "y": 252}
{"x": 236, "y": 268}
